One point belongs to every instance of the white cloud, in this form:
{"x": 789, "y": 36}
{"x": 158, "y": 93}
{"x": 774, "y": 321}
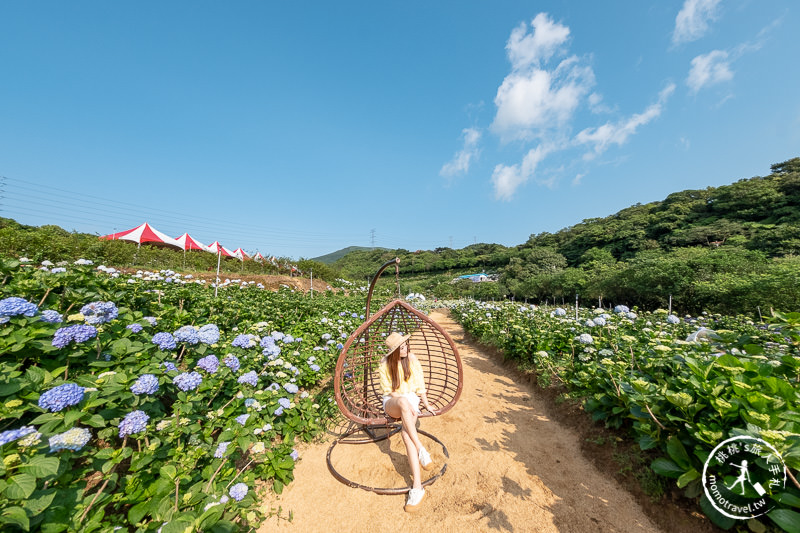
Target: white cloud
{"x": 463, "y": 158}
{"x": 577, "y": 179}
{"x": 692, "y": 20}
{"x": 618, "y": 133}
{"x": 526, "y": 49}
{"x": 506, "y": 179}
{"x": 533, "y": 100}
{"x": 709, "y": 69}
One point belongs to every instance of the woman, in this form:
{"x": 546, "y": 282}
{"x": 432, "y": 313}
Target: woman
{"x": 402, "y": 380}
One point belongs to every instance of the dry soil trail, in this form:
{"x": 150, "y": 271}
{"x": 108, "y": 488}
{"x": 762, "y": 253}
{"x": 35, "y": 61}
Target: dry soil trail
{"x": 511, "y": 468}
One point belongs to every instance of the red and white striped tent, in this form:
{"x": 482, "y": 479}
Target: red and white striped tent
{"x": 216, "y": 248}
{"x": 188, "y": 243}
{"x": 241, "y": 254}
{"x": 258, "y": 257}
{"x": 143, "y": 233}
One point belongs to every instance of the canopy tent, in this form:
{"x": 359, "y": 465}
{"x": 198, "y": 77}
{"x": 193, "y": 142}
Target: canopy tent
{"x": 241, "y": 254}
{"x": 188, "y": 243}
{"x": 258, "y": 257}
{"x": 216, "y": 248}
{"x": 144, "y": 233}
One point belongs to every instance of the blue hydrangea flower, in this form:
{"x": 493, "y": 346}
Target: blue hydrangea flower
{"x": 291, "y": 388}
{"x": 672, "y": 319}
{"x": 164, "y": 341}
{"x": 267, "y": 342}
{"x": 238, "y": 491}
{"x": 294, "y": 455}
{"x": 339, "y": 345}
{"x": 621, "y": 309}
{"x": 222, "y": 447}
{"x": 284, "y": 402}
{"x": 53, "y": 317}
{"x": 187, "y": 381}
{"x": 242, "y": 341}
{"x": 599, "y": 321}
{"x": 15, "y": 305}
{"x": 248, "y": 402}
{"x": 631, "y": 315}
{"x": 315, "y": 368}
{"x": 153, "y": 321}
{"x": 288, "y": 338}
{"x": 558, "y": 311}
{"x": 146, "y": 384}
{"x": 77, "y": 333}
{"x": 585, "y": 338}
{"x": 186, "y": 334}
{"x": 61, "y": 397}
{"x": 57, "y": 270}
{"x": 278, "y": 411}
{"x": 14, "y": 434}
{"x": 169, "y": 366}
{"x": 277, "y": 335}
{"x": 232, "y": 362}
{"x": 251, "y": 378}
{"x": 242, "y": 419}
{"x": 134, "y": 422}
{"x": 99, "y": 312}
{"x": 326, "y": 336}
{"x": 73, "y": 439}
{"x": 209, "y": 363}
{"x": 209, "y": 334}
{"x": 274, "y": 387}
{"x": 135, "y": 327}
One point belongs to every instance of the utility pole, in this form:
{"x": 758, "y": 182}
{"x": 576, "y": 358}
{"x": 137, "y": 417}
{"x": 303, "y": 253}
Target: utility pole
{"x": 2, "y": 191}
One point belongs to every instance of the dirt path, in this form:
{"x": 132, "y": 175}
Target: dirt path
{"x": 511, "y": 468}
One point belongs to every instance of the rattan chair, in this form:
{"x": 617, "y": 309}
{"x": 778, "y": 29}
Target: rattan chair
{"x": 357, "y": 383}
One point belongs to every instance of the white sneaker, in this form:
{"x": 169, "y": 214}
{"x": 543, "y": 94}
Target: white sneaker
{"x": 425, "y": 459}
{"x": 415, "y": 497}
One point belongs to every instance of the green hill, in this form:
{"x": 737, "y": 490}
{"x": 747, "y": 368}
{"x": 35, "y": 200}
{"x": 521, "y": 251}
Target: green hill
{"x": 338, "y": 254}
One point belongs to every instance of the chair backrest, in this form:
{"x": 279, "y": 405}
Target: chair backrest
{"x": 357, "y": 383}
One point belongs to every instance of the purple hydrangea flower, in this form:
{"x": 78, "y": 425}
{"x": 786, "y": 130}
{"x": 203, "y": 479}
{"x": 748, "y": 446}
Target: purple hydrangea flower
{"x": 135, "y": 327}
{"x": 99, "y": 312}
{"x": 169, "y": 366}
{"x": 187, "y": 381}
{"x": 222, "y": 447}
{"x": 315, "y": 368}
{"x": 61, "y": 397}
{"x": 14, "y": 434}
{"x": 284, "y": 402}
{"x": 186, "y": 334}
{"x": 291, "y": 388}
{"x": 15, "y": 305}
{"x": 146, "y": 384}
{"x": 288, "y": 338}
{"x": 294, "y": 455}
{"x": 164, "y": 341}
{"x": 277, "y": 335}
{"x": 73, "y": 439}
{"x": 274, "y": 387}
{"x": 278, "y": 411}
{"x": 209, "y": 363}
{"x": 150, "y": 319}
{"x": 53, "y": 317}
{"x": 134, "y": 422}
{"x": 241, "y": 341}
{"x": 242, "y": 419}
{"x": 251, "y": 378}
{"x": 77, "y": 333}
{"x": 621, "y": 309}
{"x": 238, "y": 491}
{"x": 232, "y": 362}
{"x": 209, "y": 334}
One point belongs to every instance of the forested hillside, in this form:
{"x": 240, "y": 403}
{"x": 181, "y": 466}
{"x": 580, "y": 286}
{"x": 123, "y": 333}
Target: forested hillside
{"x": 732, "y": 248}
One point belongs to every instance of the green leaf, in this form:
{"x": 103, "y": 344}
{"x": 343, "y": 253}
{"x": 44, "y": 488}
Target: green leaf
{"x": 36, "y": 375}
{"x": 665, "y": 467}
{"x": 39, "y": 501}
{"x": 168, "y": 471}
{"x": 678, "y": 453}
{"x": 41, "y": 466}
{"x": 21, "y": 487}
{"x": 787, "y": 519}
{"x": 138, "y": 511}
{"x": 788, "y": 499}
{"x": 15, "y": 515}
{"x": 646, "y": 442}
{"x": 688, "y": 477}
{"x": 725, "y": 522}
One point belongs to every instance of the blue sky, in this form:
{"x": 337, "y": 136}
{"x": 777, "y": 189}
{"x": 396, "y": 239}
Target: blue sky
{"x": 298, "y": 128}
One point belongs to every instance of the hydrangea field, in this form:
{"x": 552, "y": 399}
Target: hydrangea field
{"x": 139, "y": 402}
{"x": 680, "y": 385}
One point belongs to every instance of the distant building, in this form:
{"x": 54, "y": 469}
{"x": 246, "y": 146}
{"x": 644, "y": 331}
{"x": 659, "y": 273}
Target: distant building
{"x": 475, "y": 278}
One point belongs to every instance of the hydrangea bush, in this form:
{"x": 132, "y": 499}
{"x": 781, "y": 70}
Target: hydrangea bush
{"x": 121, "y": 395}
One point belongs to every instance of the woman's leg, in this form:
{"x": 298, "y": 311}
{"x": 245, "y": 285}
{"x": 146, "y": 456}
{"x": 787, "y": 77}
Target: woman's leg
{"x": 401, "y": 408}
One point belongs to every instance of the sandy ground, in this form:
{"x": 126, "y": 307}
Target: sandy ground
{"x": 511, "y": 468}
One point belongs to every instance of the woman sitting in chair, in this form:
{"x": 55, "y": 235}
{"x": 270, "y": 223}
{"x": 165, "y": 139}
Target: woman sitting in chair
{"x": 402, "y": 380}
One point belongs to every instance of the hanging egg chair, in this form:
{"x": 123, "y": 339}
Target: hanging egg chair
{"x": 357, "y": 382}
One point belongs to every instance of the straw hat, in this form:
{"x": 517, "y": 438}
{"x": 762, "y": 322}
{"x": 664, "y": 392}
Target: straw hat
{"x": 395, "y": 340}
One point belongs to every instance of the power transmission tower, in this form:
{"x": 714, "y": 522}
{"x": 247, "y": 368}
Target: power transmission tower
{"x": 2, "y": 191}
{"x": 372, "y": 237}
